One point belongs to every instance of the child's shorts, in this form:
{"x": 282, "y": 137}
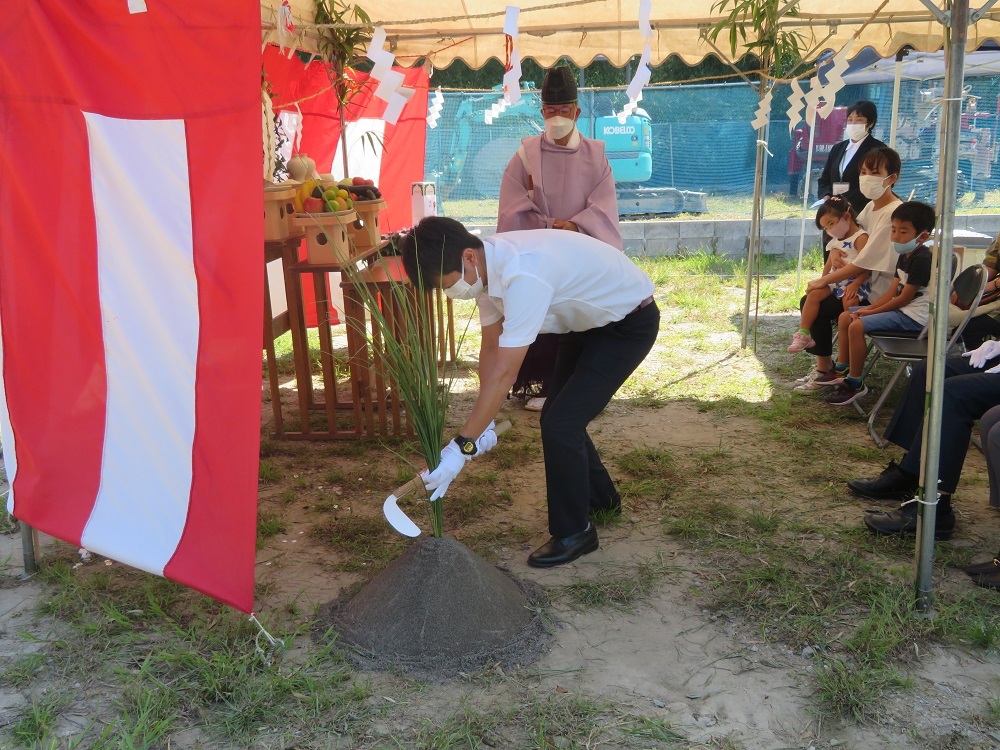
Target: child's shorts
{"x": 894, "y": 321}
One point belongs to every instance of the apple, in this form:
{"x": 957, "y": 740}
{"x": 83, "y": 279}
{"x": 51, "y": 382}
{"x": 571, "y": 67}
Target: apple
{"x": 313, "y": 205}
{"x": 360, "y": 181}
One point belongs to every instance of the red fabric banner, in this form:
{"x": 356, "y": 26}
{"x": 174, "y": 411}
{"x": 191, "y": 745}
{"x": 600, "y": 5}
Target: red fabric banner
{"x": 130, "y": 282}
{"x": 403, "y": 144}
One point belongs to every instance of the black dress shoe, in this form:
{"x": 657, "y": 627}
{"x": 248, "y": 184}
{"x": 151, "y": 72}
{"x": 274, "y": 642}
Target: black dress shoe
{"x": 986, "y": 568}
{"x": 903, "y": 520}
{"x": 891, "y": 484}
{"x": 991, "y": 581}
{"x": 560, "y": 550}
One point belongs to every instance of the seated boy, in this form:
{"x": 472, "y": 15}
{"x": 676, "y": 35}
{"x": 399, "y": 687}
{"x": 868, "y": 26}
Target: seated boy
{"x": 904, "y": 307}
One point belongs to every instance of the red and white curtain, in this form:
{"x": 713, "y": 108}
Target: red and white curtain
{"x": 131, "y": 277}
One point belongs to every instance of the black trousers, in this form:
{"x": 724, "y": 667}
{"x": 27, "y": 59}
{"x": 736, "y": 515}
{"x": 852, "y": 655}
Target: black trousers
{"x": 969, "y": 393}
{"x": 590, "y": 368}
{"x": 822, "y": 330}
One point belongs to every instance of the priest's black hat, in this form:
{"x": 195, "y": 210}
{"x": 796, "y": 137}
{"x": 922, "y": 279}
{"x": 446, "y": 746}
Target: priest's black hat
{"x": 559, "y": 86}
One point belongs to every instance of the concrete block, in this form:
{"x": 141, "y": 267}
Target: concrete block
{"x": 634, "y": 247}
{"x": 661, "y": 247}
{"x": 632, "y": 230}
{"x": 662, "y": 229}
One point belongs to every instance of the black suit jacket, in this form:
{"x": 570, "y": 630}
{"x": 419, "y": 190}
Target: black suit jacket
{"x": 832, "y": 174}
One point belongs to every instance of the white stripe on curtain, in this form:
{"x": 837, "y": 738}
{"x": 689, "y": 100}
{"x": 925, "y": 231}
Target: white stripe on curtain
{"x": 149, "y": 305}
{"x": 7, "y": 435}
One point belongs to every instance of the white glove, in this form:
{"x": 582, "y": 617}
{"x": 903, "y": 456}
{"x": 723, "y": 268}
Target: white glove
{"x": 993, "y": 370}
{"x": 488, "y": 440}
{"x": 979, "y": 357}
{"x": 452, "y": 462}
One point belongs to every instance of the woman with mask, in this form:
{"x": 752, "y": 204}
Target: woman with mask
{"x": 843, "y": 166}
{"x": 878, "y": 174}
{"x": 557, "y": 180}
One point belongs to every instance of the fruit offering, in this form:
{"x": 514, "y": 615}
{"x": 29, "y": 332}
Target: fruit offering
{"x": 360, "y": 189}
{"x": 308, "y": 189}
{"x": 337, "y": 199}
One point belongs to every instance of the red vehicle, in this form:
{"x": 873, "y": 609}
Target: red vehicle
{"x": 828, "y": 132}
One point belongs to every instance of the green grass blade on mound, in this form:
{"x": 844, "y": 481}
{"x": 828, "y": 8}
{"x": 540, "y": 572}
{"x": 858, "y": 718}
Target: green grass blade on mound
{"x": 402, "y": 320}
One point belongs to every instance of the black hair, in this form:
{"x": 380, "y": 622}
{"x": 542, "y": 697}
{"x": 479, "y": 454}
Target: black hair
{"x": 920, "y": 215}
{"x": 866, "y": 109}
{"x": 836, "y": 205}
{"x": 883, "y": 156}
{"x": 434, "y": 248}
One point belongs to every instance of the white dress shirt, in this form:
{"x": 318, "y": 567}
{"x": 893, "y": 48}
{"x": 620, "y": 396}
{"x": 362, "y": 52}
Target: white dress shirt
{"x": 556, "y": 281}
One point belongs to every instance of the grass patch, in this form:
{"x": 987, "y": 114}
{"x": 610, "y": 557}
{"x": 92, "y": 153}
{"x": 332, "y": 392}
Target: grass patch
{"x": 269, "y": 525}
{"x": 361, "y": 543}
{"x": 619, "y": 588}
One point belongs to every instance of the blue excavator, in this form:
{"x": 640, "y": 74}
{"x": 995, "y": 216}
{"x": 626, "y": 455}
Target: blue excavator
{"x": 471, "y": 166}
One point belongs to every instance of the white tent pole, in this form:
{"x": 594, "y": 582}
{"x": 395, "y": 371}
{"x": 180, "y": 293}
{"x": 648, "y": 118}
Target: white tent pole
{"x": 895, "y": 97}
{"x": 956, "y": 35}
{"x": 811, "y": 122}
{"x": 753, "y": 246}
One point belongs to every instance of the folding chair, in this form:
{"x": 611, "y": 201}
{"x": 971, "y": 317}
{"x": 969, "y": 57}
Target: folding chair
{"x": 870, "y": 361}
{"x": 968, "y": 287}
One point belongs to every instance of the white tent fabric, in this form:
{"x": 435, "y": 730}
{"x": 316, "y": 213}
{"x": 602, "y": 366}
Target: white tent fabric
{"x": 472, "y": 30}
{"x": 923, "y": 66}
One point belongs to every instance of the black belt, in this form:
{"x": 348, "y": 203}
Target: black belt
{"x": 645, "y": 303}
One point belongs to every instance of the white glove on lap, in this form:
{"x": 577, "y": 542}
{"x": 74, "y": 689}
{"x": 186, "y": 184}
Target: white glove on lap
{"x": 979, "y": 357}
{"x": 452, "y": 462}
{"x": 488, "y": 440}
{"x": 992, "y": 370}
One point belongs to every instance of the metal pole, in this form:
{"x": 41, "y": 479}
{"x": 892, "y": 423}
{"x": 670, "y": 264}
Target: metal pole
{"x": 673, "y": 182}
{"x": 28, "y": 549}
{"x": 956, "y": 35}
{"x": 811, "y": 122}
{"x": 754, "y": 223}
{"x": 895, "y": 97}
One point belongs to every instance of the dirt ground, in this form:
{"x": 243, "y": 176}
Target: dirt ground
{"x": 714, "y": 676}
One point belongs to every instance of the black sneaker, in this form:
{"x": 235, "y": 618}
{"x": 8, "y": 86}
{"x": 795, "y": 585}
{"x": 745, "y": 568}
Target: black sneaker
{"x": 891, "y": 484}
{"x": 903, "y": 520}
{"x": 844, "y": 394}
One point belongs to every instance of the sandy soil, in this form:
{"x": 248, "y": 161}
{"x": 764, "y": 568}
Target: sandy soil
{"x": 713, "y": 676}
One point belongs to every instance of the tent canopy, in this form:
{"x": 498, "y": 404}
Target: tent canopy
{"x": 472, "y": 30}
{"x": 919, "y": 66}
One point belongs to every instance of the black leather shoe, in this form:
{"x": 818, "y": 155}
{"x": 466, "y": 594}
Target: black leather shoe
{"x": 903, "y": 520}
{"x": 986, "y": 568}
{"x": 891, "y": 484}
{"x": 558, "y": 551}
{"x": 991, "y": 581}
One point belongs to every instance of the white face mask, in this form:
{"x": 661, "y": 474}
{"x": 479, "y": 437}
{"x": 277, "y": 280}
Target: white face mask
{"x": 871, "y": 186}
{"x": 462, "y": 289}
{"x": 559, "y": 127}
{"x": 855, "y": 130}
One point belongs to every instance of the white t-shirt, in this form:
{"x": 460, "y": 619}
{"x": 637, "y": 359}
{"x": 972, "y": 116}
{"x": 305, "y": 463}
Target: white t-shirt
{"x": 878, "y": 256}
{"x": 555, "y": 281}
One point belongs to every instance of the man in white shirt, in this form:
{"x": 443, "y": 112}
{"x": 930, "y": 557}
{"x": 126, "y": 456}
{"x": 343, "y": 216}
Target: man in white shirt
{"x": 543, "y": 281}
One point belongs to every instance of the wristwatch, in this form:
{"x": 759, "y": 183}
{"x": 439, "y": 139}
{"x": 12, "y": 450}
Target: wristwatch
{"x": 467, "y": 446}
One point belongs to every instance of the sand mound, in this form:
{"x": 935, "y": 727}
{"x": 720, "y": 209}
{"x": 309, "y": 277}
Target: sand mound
{"x": 439, "y": 609}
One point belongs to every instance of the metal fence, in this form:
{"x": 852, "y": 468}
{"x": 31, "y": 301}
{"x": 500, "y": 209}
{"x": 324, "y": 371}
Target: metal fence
{"x": 702, "y": 141}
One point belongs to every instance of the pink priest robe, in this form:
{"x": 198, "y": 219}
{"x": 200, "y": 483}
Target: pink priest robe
{"x": 571, "y": 183}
